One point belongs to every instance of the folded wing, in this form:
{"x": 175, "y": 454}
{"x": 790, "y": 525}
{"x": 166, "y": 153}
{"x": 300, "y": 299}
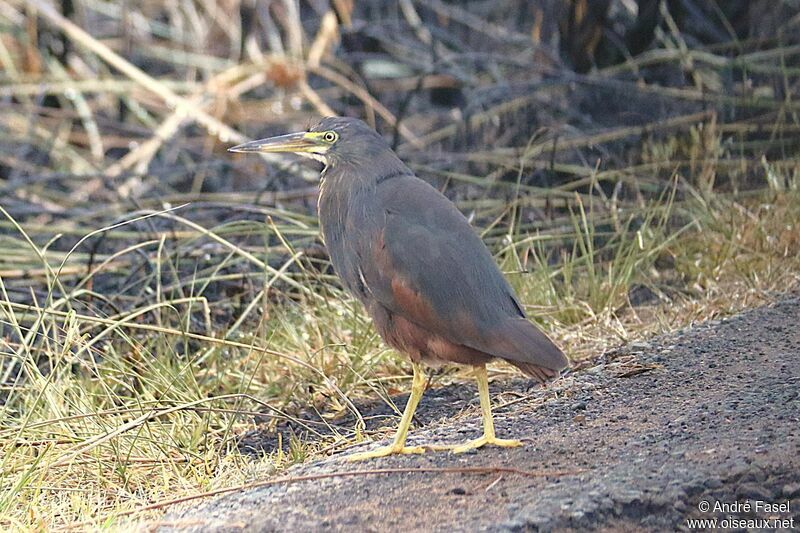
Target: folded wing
{"x": 428, "y": 265}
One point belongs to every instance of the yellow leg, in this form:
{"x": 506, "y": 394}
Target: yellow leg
{"x": 398, "y": 445}
{"x": 488, "y": 422}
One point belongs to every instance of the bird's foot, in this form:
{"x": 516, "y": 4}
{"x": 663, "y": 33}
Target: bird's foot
{"x": 385, "y": 451}
{"x": 480, "y": 442}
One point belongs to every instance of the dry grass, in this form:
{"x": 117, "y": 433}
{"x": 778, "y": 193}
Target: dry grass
{"x": 109, "y": 414}
{"x": 159, "y": 298}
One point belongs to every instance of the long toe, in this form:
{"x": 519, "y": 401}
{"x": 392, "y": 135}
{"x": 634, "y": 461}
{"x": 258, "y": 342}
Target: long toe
{"x": 385, "y": 451}
{"x": 505, "y": 443}
{"x": 483, "y": 441}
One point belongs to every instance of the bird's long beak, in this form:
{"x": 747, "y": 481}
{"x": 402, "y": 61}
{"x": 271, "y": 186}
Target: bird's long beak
{"x": 301, "y": 143}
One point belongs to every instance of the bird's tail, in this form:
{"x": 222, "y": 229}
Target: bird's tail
{"x": 528, "y": 348}
{"x": 539, "y": 373}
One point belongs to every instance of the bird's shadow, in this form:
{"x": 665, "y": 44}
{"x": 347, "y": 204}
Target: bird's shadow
{"x": 437, "y": 404}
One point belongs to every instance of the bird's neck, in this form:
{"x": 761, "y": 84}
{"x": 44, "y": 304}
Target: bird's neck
{"x": 353, "y": 182}
{"x": 349, "y": 188}
{"x": 340, "y": 187}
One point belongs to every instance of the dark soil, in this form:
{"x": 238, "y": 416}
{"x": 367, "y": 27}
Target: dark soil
{"x": 707, "y": 414}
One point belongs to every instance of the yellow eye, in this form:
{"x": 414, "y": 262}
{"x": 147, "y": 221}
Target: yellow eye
{"x": 329, "y": 136}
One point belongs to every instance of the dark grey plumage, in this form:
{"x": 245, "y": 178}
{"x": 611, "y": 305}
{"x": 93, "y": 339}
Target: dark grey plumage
{"x": 424, "y": 275}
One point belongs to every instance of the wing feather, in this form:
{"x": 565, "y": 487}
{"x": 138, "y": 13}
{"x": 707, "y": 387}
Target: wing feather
{"x": 428, "y": 265}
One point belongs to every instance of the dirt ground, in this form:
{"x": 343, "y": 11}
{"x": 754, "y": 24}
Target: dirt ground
{"x": 646, "y": 434}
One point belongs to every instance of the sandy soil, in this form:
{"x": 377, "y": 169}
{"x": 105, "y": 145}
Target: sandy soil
{"x": 707, "y": 414}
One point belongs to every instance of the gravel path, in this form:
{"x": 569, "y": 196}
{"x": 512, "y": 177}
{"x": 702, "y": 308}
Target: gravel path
{"x": 709, "y": 414}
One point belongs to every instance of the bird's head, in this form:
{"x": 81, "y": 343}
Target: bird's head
{"x": 332, "y": 140}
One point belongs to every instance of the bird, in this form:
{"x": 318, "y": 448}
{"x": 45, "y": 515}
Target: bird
{"x": 424, "y": 276}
